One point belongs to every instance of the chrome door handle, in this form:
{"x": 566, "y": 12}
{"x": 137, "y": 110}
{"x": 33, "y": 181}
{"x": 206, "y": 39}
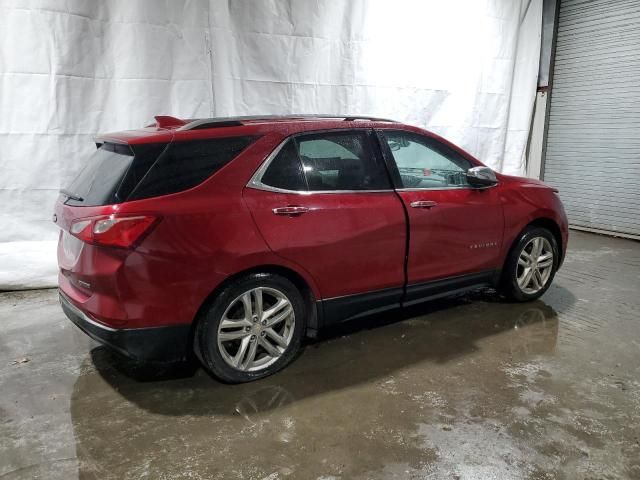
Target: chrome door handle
{"x": 423, "y": 204}
{"x": 290, "y": 210}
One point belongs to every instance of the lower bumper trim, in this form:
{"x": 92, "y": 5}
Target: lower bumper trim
{"x": 161, "y": 344}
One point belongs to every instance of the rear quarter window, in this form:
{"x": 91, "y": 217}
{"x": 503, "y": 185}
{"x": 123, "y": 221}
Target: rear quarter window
{"x": 285, "y": 171}
{"x": 116, "y": 173}
{"x": 183, "y": 165}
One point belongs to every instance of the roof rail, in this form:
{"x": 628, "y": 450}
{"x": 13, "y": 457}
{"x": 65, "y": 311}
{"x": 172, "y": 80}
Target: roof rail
{"x": 351, "y": 118}
{"x": 212, "y": 123}
{"x": 239, "y": 121}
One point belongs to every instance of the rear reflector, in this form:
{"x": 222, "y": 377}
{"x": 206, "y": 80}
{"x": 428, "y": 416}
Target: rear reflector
{"x": 113, "y": 230}
{"x": 79, "y": 226}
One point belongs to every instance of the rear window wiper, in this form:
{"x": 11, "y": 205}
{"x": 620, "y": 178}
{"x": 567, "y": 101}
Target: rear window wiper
{"x": 71, "y": 195}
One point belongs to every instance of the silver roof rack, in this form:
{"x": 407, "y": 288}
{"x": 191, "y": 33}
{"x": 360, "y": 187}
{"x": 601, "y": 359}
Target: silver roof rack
{"x": 239, "y": 121}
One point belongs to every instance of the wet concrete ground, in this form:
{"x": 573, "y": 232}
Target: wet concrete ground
{"x": 468, "y": 388}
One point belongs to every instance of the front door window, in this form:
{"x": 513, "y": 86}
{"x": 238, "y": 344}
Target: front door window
{"x": 425, "y": 163}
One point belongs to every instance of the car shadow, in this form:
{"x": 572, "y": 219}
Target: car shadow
{"x": 363, "y": 351}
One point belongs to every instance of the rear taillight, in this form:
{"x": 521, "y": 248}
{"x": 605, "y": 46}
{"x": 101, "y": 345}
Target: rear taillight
{"x": 113, "y": 230}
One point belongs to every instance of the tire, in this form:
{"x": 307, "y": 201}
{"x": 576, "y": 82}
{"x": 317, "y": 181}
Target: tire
{"x": 246, "y": 346}
{"x": 514, "y": 270}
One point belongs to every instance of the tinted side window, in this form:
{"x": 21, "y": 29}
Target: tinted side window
{"x": 145, "y": 156}
{"x": 183, "y": 165}
{"x": 425, "y": 163}
{"x": 285, "y": 170}
{"x": 341, "y": 161}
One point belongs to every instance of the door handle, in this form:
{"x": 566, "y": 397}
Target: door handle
{"x": 423, "y": 204}
{"x": 290, "y": 210}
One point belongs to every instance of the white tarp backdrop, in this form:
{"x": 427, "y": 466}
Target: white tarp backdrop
{"x": 466, "y": 69}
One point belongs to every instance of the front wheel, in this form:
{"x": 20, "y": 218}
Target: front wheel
{"x": 531, "y": 265}
{"x": 252, "y": 329}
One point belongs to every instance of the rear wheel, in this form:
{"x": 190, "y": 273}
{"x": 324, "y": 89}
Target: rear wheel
{"x": 531, "y": 265}
{"x": 252, "y": 329}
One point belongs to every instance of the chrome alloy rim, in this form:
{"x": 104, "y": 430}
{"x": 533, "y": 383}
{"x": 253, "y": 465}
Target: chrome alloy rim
{"x": 256, "y": 329}
{"x": 535, "y": 265}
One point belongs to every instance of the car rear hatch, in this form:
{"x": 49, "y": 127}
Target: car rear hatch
{"x": 88, "y": 208}
{"x": 96, "y": 236}
{"x": 99, "y": 220}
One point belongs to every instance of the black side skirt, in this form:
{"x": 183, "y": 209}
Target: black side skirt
{"x": 342, "y": 309}
{"x": 449, "y": 286}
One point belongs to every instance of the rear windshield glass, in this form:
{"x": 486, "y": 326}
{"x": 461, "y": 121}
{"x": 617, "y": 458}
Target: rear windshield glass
{"x": 98, "y": 180}
{"x": 116, "y": 173}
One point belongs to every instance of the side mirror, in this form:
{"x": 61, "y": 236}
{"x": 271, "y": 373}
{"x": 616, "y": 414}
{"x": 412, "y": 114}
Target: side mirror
{"x": 481, "y": 177}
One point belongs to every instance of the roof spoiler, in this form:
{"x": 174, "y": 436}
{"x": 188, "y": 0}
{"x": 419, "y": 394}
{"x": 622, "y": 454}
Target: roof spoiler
{"x": 165, "y": 121}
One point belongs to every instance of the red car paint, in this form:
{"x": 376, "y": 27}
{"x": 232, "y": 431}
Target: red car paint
{"x": 347, "y": 243}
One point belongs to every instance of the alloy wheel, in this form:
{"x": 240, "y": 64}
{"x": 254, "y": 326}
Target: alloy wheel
{"x": 535, "y": 265}
{"x": 256, "y": 329}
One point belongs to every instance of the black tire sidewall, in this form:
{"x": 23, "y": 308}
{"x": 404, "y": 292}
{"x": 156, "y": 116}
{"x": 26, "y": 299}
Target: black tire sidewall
{"x": 510, "y": 280}
{"x": 206, "y": 341}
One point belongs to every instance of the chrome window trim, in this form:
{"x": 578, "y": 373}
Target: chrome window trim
{"x": 462, "y": 187}
{"x": 465, "y": 187}
{"x": 256, "y": 179}
{"x": 268, "y": 188}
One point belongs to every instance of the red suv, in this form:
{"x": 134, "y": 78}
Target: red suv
{"x": 234, "y": 238}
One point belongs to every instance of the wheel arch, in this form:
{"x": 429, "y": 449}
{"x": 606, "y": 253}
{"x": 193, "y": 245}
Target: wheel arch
{"x": 504, "y": 281}
{"x": 543, "y": 222}
{"x": 313, "y": 307}
{"x": 554, "y": 228}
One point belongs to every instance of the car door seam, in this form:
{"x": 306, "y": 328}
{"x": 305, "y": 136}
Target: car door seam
{"x": 385, "y": 161}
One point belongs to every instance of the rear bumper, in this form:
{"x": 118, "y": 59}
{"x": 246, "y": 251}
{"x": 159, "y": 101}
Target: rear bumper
{"x": 162, "y": 344}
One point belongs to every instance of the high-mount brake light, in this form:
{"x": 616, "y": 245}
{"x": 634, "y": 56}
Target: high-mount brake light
{"x": 122, "y": 231}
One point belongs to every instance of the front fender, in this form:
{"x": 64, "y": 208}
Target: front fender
{"x": 526, "y": 203}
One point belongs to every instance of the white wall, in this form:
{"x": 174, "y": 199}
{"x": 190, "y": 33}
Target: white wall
{"x": 70, "y": 69}
{"x": 466, "y": 69}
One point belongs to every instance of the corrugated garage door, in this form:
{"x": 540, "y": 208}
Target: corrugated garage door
{"x": 593, "y": 139}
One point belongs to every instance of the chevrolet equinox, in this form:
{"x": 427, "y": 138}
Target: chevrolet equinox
{"x": 233, "y": 238}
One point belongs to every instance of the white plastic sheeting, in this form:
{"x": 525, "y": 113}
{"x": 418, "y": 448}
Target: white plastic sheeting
{"x": 465, "y": 69}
